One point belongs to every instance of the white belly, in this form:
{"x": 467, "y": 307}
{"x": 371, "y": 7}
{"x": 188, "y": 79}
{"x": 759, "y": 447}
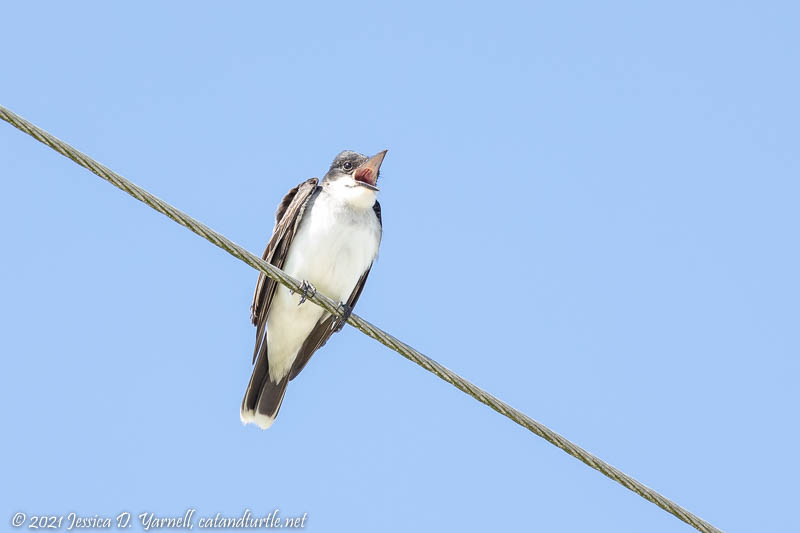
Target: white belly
{"x": 332, "y": 248}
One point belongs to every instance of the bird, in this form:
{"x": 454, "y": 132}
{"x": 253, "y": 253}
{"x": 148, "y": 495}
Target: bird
{"x": 327, "y": 233}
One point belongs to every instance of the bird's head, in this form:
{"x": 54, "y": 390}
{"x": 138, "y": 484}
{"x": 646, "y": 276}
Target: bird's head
{"x": 355, "y": 176}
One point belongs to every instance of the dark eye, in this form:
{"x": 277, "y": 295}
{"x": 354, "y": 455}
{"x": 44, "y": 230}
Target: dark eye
{"x": 347, "y": 165}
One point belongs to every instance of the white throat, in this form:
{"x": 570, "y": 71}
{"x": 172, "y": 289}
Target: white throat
{"x": 349, "y": 192}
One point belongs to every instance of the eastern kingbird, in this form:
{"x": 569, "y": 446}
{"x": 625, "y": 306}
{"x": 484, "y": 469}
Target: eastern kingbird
{"x": 326, "y": 234}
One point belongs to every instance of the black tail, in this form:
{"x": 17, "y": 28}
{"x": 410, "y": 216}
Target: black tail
{"x": 263, "y": 397}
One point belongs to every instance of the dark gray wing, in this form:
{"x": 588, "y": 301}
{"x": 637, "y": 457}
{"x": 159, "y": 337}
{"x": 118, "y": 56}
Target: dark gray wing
{"x": 287, "y": 219}
{"x": 326, "y": 326}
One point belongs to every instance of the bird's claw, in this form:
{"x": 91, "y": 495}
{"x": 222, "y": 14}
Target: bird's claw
{"x": 342, "y": 320}
{"x": 307, "y": 290}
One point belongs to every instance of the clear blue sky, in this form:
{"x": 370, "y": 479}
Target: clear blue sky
{"x": 590, "y": 210}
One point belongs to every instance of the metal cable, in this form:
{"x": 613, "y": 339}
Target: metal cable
{"x": 359, "y": 323}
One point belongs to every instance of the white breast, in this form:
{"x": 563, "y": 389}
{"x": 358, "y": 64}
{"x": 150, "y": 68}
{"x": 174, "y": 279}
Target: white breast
{"x": 332, "y": 248}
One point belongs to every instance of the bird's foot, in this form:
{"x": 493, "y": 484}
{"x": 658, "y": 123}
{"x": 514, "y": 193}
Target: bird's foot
{"x": 342, "y": 320}
{"x": 307, "y": 290}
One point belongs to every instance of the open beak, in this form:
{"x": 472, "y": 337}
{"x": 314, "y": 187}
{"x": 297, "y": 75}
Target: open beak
{"x": 367, "y": 174}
